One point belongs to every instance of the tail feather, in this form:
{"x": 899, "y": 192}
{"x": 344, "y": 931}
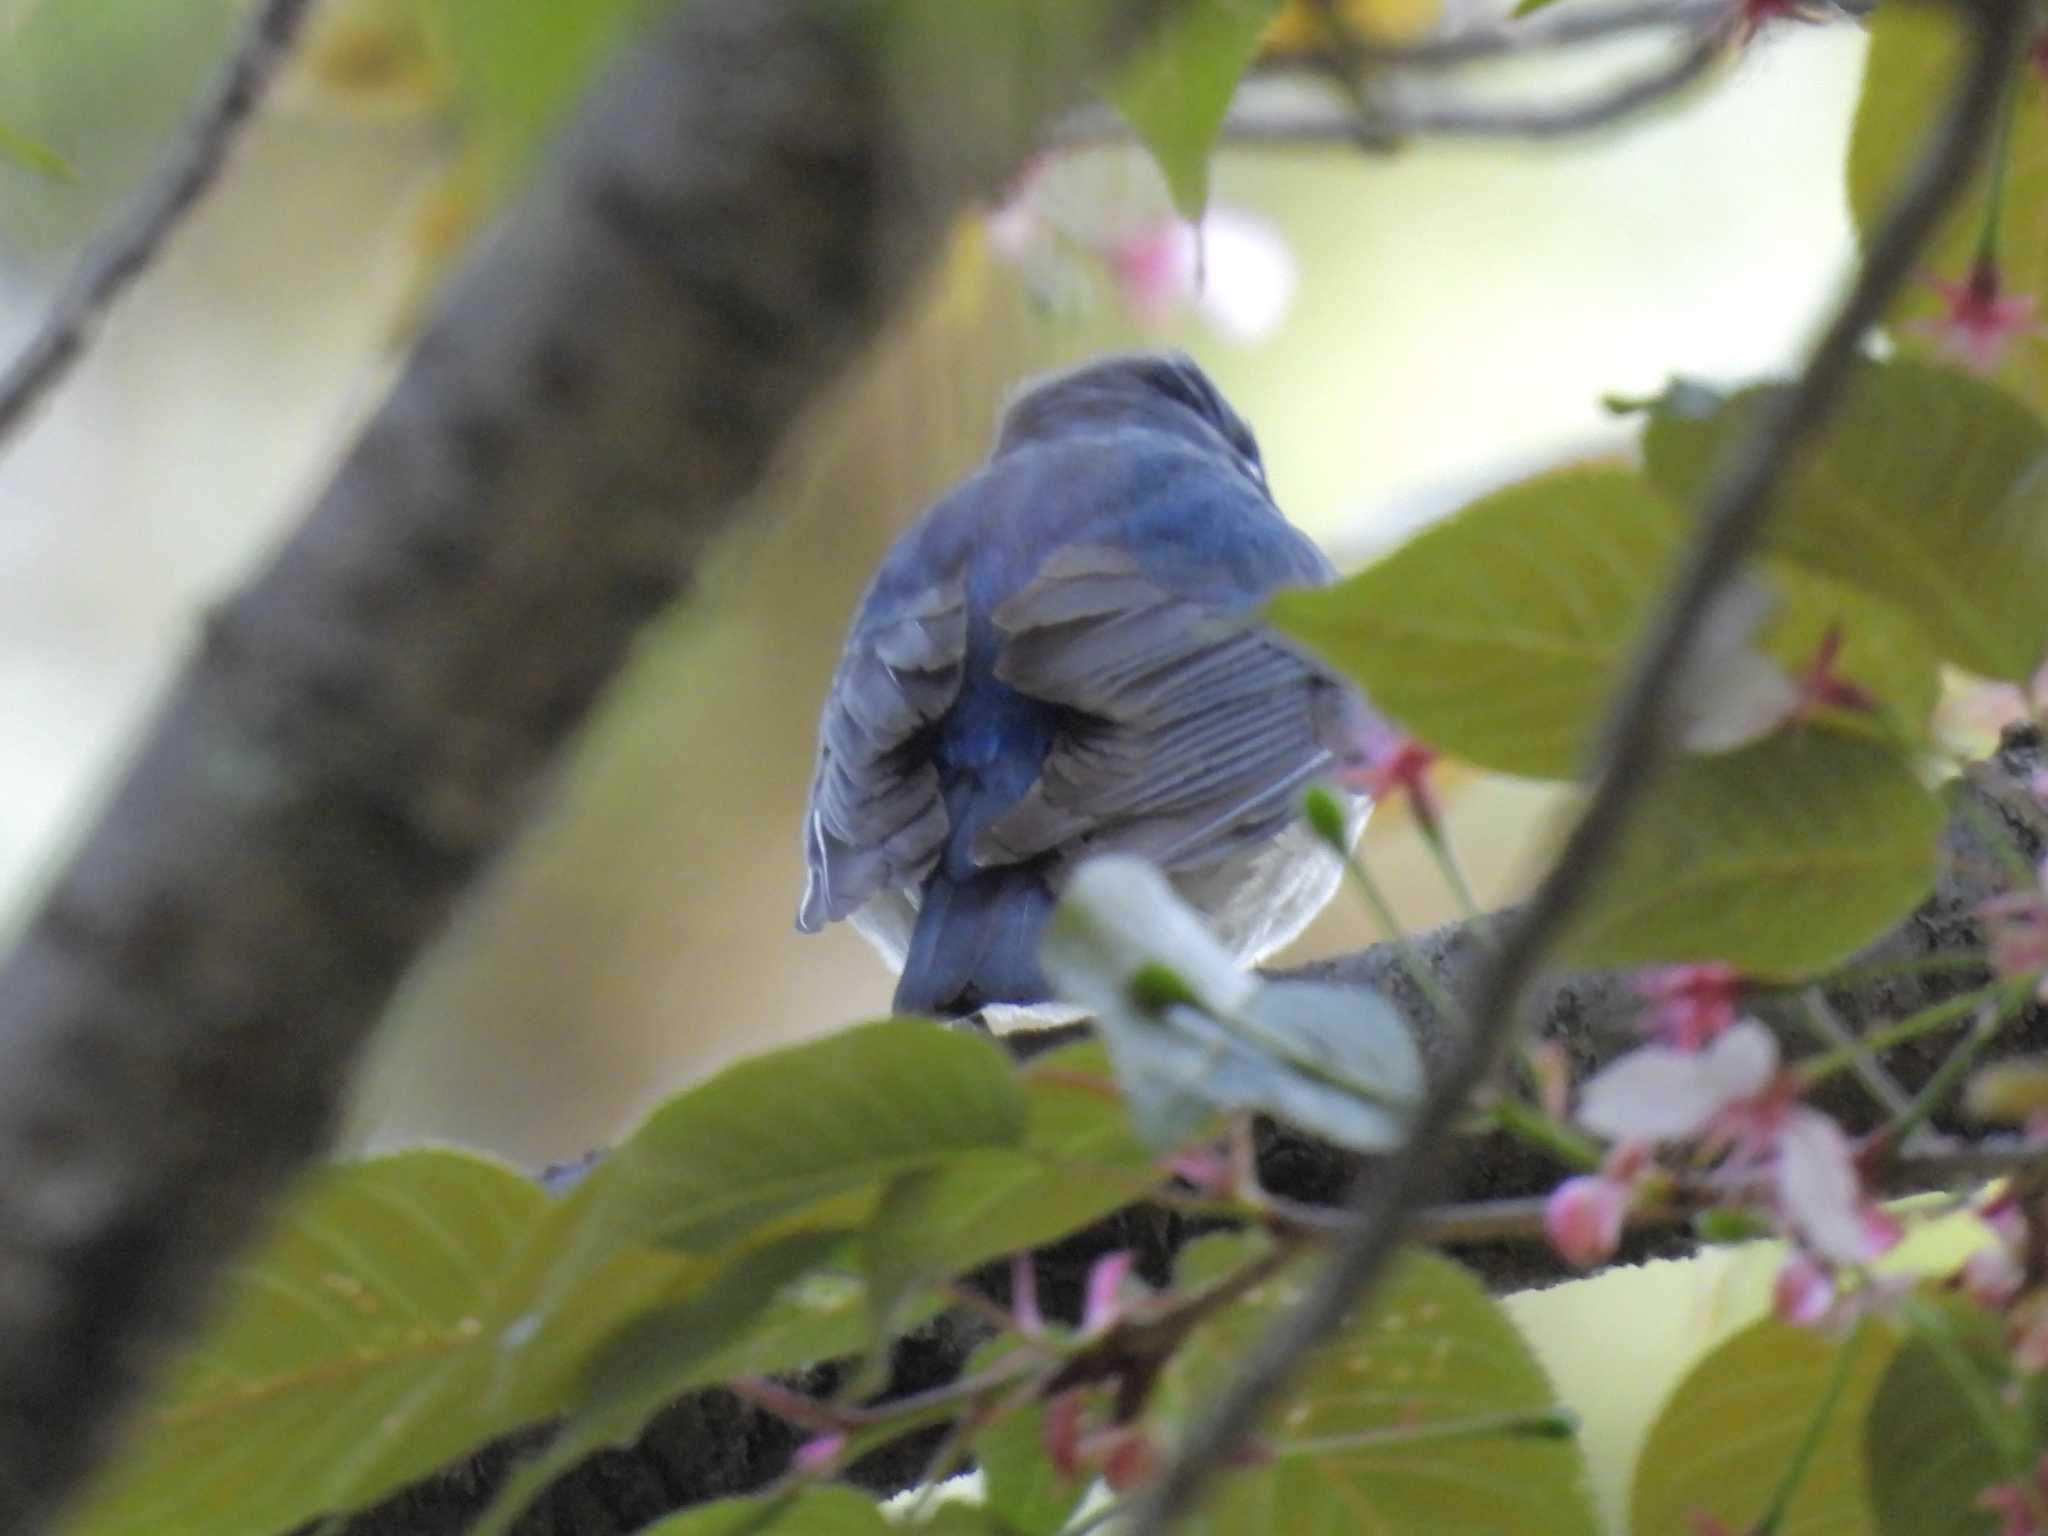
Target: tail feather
{"x": 976, "y": 943}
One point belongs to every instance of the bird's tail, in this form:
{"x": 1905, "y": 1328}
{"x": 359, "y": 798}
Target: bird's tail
{"x": 976, "y": 943}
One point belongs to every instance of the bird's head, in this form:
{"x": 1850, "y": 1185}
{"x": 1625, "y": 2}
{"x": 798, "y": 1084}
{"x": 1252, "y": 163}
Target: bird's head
{"x": 1160, "y": 392}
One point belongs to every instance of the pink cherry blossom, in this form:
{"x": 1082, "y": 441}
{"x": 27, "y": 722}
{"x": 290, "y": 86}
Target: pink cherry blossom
{"x": 1978, "y": 318}
{"x": 2017, "y": 1504}
{"x": 1992, "y": 1276}
{"x": 1386, "y": 761}
{"x": 1821, "y": 686}
{"x": 1065, "y": 222}
{"x": 1690, "y": 1004}
{"x": 1103, "y": 1303}
{"x": 1730, "y": 1096}
{"x": 1583, "y": 1218}
{"x": 1803, "y": 1294}
{"x": 818, "y": 1455}
{"x": 1232, "y": 268}
{"x": 1024, "y": 1296}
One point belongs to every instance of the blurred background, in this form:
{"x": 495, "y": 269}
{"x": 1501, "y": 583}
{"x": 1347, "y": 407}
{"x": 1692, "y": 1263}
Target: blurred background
{"x": 1403, "y": 332}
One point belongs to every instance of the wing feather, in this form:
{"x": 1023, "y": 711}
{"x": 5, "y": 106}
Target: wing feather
{"x": 1182, "y": 718}
{"x": 877, "y": 819}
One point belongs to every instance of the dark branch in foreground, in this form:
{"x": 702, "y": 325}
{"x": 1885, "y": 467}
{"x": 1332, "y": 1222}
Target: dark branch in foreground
{"x": 118, "y": 257}
{"x": 1635, "y": 741}
{"x": 739, "y": 208}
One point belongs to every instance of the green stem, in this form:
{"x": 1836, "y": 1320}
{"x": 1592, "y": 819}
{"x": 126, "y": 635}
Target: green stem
{"x": 1522, "y": 1119}
{"x": 2001, "y": 158}
{"x": 1815, "y": 1068}
{"x": 1809, "y": 1442}
{"x": 1446, "y": 857}
{"x": 1954, "y": 1067}
{"x": 1832, "y": 1032}
{"x": 1882, "y": 970}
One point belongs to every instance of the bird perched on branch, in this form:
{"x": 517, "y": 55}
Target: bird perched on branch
{"x": 1061, "y": 658}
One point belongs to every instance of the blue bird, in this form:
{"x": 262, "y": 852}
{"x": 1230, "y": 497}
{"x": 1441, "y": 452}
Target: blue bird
{"x": 1062, "y": 658}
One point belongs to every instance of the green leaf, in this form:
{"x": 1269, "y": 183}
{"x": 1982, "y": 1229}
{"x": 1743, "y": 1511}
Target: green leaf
{"x": 955, "y": 1517}
{"x": 1079, "y": 1163}
{"x": 1019, "y": 1481}
{"x": 1927, "y": 1451}
{"x": 805, "y": 1512}
{"x": 33, "y": 154}
{"x": 110, "y": 82}
{"x": 1177, "y": 91}
{"x": 519, "y": 63}
{"x": 1399, "y": 1424}
{"x": 1723, "y": 1442}
{"x": 696, "y": 1341}
{"x": 1498, "y": 634}
{"x": 359, "y": 1349}
{"x": 1781, "y": 859}
{"x": 1908, "y": 74}
{"x": 661, "y": 1353}
{"x": 810, "y": 1133}
{"x": 1929, "y": 488}
{"x": 414, "y": 1307}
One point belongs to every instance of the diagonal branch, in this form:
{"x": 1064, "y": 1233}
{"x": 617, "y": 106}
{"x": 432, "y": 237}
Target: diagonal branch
{"x": 740, "y": 206}
{"x": 119, "y": 256}
{"x": 1636, "y": 740}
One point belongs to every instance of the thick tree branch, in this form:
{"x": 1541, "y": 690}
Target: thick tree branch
{"x": 1635, "y": 740}
{"x": 118, "y": 257}
{"x": 743, "y": 202}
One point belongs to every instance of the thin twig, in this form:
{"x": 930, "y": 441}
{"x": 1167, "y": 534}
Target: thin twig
{"x": 119, "y": 256}
{"x": 1485, "y": 1221}
{"x": 1273, "y": 108}
{"x": 1561, "y": 26}
{"x": 1552, "y": 120}
{"x": 1635, "y": 739}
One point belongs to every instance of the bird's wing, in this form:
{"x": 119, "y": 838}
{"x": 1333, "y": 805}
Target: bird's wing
{"x": 876, "y": 819}
{"x": 1190, "y": 731}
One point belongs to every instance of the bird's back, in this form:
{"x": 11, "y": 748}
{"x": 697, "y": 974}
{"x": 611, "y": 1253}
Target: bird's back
{"x": 1056, "y": 657}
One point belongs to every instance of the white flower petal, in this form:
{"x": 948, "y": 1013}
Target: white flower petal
{"x": 1659, "y": 1094}
{"x": 1728, "y": 693}
{"x": 1819, "y": 1187}
{"x": 1247, "y": 275}
{"x": 1118, "y": 915}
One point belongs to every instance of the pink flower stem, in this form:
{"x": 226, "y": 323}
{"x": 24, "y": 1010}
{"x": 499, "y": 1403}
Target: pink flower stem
{"x": 1809, "y": 1441}
{"x": 1439, "y": 843}
{"x": 2001, "y": 159}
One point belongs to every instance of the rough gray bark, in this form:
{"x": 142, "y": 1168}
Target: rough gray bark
{"x": 738, "y": 208}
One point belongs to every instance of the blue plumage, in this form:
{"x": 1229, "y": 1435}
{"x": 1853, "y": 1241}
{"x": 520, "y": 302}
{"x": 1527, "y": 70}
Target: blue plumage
{"x": 1062, "y": 657}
